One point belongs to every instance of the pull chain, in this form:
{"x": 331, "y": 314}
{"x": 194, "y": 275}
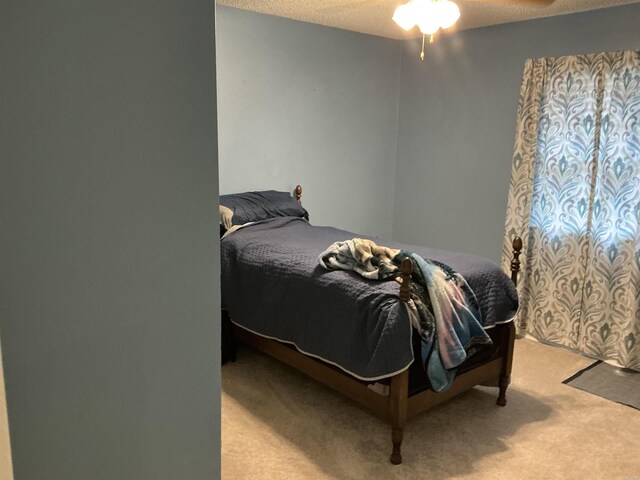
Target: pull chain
{"x": 430, "y": 41}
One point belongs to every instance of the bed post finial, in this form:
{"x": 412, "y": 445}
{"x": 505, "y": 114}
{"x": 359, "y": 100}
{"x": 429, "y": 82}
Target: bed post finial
{"x": 406, "y": 267}
{"x": 515, "y": 263}
{"x": 298, "y": 192}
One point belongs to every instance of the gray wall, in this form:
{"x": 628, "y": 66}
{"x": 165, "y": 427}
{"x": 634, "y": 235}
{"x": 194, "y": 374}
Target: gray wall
{"x": 457, "y": 122}
{"x": 302, "y": 103}
{"x": 109, "y": 264}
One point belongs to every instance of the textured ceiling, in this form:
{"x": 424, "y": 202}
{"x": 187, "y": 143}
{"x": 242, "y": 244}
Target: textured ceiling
{"x": 374, "y": 16}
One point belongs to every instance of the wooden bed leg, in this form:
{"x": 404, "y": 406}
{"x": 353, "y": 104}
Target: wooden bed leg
{"x": 399, "y": 391}
{"x": 509, "y": 334}
{"x": 398, "y": 401}
{"x": 508, "y": 338}
{"x": 396, "y": 439}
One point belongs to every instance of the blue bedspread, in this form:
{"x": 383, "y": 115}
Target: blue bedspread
{"x": 272, "y": 285}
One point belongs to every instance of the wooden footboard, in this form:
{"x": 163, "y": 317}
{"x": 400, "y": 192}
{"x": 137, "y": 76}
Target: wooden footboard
{"x": 497, "y": 371}
{"x": 398, "y": 406}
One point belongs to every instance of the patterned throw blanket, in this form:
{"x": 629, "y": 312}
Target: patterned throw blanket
{"x": 443, "y": 308}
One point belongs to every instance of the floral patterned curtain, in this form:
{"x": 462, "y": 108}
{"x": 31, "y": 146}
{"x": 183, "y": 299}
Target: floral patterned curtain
{"x": 574, "y": 198}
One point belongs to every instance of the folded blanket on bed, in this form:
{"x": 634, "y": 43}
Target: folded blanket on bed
{"x": 449, "y": 317}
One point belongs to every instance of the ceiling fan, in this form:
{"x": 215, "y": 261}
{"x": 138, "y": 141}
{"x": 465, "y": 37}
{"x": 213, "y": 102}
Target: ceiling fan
{"x": 429, "y": 15}
{"x": 433, "y": 15}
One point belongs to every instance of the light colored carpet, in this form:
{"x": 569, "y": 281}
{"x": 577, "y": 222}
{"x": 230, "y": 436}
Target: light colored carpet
{"x": 278, "y": 424}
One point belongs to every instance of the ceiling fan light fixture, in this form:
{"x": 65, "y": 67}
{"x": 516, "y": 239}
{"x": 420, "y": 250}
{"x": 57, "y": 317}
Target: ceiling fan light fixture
{"x": 429, "y": 15}
{"x": 432, "y": 14}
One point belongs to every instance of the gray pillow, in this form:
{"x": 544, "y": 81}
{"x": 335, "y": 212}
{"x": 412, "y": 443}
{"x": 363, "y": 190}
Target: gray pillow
{"x": 255, "y": 206}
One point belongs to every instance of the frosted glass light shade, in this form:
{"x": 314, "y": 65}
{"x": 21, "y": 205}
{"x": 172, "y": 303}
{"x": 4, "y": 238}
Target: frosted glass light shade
{"x": 405, "y": 16}
{"x": 449, "y": 13}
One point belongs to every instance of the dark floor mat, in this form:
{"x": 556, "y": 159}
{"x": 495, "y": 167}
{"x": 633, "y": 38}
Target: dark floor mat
{"x": 613, "y": 383}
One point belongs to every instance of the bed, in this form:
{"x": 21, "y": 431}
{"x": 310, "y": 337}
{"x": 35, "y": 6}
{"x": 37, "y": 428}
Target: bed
{"x": 351, "y": 333}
